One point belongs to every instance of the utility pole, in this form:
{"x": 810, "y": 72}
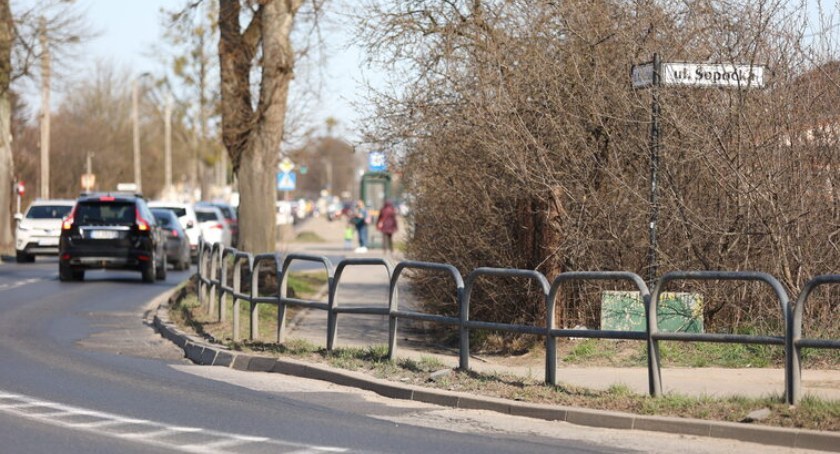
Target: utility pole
{"x": 167, "y": 149}
{"x": 136, "y": 129}
{"x": 45, "y": 109}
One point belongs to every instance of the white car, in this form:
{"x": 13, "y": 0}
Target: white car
{"x": 214, "y": 229}
{"x": 187, "y": 218}
{"x": 38, "y": 230}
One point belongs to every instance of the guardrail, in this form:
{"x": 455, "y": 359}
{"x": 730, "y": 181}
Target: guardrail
{"x": 213, "y": 290}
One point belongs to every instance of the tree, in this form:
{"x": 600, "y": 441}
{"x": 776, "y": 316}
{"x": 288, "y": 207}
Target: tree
{"x": 17, "y": 54}
{"x": 525, "y": 146}
{"x": 192, "y": 34}
{"x": 252, "y": 129}
{"x": 6, "y": 169}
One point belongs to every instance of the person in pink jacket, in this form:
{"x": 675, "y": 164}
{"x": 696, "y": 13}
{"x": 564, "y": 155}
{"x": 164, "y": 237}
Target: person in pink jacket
{"x": 387, "y": 224}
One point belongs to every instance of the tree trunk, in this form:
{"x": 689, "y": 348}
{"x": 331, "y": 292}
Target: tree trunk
{"x": 6, "y": 166}
{"x": 253, "y": 137}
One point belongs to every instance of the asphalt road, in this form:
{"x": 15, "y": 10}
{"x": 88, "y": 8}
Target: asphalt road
{"x": 82, "y": 372}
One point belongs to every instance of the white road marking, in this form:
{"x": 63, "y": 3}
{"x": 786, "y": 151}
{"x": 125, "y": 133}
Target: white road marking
{"x": 141, "y": 430}
{"x": 16, "y": 284}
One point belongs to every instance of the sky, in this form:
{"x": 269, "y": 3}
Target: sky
{"x": 128, "y": 29}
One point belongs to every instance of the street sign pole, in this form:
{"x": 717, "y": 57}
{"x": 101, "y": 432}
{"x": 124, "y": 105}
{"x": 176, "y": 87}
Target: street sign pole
{"x": 653, "y": 264}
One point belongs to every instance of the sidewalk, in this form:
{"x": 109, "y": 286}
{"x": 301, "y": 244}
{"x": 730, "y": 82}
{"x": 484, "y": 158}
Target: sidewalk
{"x": 368, "y": 285}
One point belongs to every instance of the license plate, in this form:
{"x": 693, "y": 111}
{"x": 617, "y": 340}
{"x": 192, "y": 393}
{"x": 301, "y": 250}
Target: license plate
{"x": 48, "y": 242}
{"x": 104, "y": 234}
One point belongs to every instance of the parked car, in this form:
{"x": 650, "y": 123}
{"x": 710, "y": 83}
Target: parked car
{"x": 38, "y": 230}
{"x": 177, "y": 243}
{"x": 214, "y": 229}
{"x": 231, "y": 219}
{"x": 186, "y": 215}
{"x": 111, "y": 231}
{"x": 284, "y": 215}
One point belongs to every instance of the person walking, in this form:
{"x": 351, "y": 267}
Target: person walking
{"x": 387, "y": 224}
{"x": 361, "y": 219}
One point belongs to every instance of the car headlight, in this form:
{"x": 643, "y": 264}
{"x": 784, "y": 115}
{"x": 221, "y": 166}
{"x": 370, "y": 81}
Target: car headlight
{"x": 23, "y": 229}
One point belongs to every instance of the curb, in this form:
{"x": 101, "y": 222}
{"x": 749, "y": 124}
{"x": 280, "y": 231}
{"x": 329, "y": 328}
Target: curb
{"x": 200, "y": 352}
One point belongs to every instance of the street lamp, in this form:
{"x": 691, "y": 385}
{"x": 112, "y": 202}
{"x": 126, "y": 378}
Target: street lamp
{"x": 135, "y": 94}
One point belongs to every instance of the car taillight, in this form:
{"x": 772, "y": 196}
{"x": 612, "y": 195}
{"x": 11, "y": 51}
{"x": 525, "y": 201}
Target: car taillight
{"x": 217, "y": 225}
{"x": 67, "y": 223}
{"x": 174, "y": 232}
{"x": 142, "y": 224}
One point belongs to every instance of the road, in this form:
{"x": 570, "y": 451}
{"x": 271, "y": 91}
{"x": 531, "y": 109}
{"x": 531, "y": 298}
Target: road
{"x": 81, "y": 371}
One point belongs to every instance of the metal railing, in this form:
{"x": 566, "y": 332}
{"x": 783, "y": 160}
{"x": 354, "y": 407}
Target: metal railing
{"x": 214, "y": 263}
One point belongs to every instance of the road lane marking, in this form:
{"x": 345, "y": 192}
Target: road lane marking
{"x": 16, "y": 284}
{"x": 142, "y": 430}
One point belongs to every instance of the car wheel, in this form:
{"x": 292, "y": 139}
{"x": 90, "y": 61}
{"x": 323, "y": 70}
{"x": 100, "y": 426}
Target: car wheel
{"x": 161, "y": 269}
{"x": 186, "y": 261}
{"x": 23, "y": 257}
{"x": 64, "y": 273}
{"x": 78, "y": 275}
{"x": 149, "y": 272}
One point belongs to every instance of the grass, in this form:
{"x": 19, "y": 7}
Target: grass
{"x": 603, "y": 352}
{"x": 309, "y": 237}
{"x": 812, "y": 413}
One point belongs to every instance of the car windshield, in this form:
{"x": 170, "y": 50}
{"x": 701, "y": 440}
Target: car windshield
{"x": 180, "y": 212}
{"x": 226, "y": 211}
{"x": 204, "y": 216}
{"x": 104, "y": 213}
{"x": 163, "y": 217}
{"x": 48, "y": 212}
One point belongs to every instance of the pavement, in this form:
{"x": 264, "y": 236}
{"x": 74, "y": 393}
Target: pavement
{"x": 368, "y": 285}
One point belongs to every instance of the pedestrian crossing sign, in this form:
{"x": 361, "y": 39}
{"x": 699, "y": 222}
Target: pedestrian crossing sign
{"x": 286, "y": 181}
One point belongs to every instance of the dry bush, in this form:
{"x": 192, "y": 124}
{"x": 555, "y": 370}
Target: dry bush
{"x": 524, "y": 146}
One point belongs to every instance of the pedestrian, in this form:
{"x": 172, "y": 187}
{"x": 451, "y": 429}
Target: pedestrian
{"x": 387, "y": 224}
{"x": 361, "y": 218}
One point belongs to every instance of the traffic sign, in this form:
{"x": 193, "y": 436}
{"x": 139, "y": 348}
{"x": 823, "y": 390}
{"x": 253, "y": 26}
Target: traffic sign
{"x": 286, "y": 165}
{"x": 286, "y": 181}
{"x": 376, "y": 162}
{"x": 20, "y": 188}
{"x": 713, "y": 75}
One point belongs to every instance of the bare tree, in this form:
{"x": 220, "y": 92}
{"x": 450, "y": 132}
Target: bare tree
{"x": 19, "y": 34}
{"x": 253, "y": 125}
{"x": 525, "y": 146}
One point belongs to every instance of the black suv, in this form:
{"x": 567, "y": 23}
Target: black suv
{"x": 111, "y": 231}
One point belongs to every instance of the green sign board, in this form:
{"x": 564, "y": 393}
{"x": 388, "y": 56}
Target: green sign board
{"x": 676, "y": 312}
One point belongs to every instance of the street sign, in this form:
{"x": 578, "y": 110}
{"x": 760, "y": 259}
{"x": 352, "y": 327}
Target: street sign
{"x": 286, "y": 181}
{"x": 712, "y": 75}
{"x": 699, "y": 75}
{"x": 20, "y": 188}
{"x": 286, "y": 165}
{"x": 376, "y": 162}
{"x": 642, "y": 75}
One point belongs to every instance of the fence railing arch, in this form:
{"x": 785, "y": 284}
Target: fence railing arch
{"x": 795, "y": 340}
{"x": 335, "y": 309}
{"x": 553, "y": 332}
{"x": 394, "y": 306}
{"x": 748, "y": 276}
{"x": 467, "y": 324}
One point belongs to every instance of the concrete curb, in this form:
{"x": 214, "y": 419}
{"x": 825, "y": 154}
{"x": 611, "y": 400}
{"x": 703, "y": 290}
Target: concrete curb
{"x": 201, "y": 352}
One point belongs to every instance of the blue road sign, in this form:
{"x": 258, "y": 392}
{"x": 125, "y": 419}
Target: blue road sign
{"x": 376, "y": 162}
{"x": 286, "y": 181}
